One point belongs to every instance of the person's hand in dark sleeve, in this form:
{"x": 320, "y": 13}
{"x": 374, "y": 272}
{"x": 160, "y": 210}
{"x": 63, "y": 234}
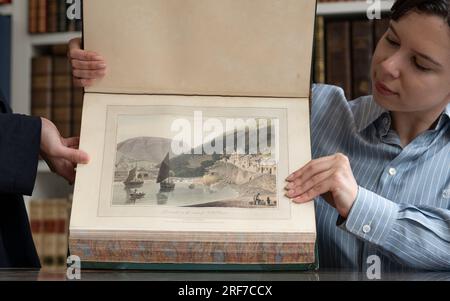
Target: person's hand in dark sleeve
{"x": 62, "y": 155}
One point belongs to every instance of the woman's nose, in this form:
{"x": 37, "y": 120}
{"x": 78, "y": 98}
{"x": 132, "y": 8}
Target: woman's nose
{"x": 391, "y": 66}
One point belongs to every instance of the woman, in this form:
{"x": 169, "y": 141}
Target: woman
{"x": 380, "y": 175}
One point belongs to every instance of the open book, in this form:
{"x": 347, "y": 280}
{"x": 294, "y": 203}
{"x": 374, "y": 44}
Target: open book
{"x": 203, "y": 114}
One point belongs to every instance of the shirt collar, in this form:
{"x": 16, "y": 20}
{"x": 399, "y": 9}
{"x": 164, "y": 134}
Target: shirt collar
{"x": 366, "y": 111}
{"x": 447, "y": 111}
{"x": 445, "y": 117}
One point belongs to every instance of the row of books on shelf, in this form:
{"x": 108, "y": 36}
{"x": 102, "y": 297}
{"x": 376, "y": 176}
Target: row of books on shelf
{"x": 343, "y": 52}
{"x": 53, "y": 95}
{"x": 5, "y": 2}
{"x": 47, "y": 16}
{"x": 49, "y": 220}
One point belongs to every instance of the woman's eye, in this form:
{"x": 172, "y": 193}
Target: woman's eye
{"x": 420, "y": 67}
{"x": 393, "y": 43}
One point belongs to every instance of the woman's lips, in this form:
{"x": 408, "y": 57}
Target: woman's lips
{"x": 383, "y": 90}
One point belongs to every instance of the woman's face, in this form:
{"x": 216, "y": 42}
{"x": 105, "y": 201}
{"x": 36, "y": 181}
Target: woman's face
{"x": 411, "y": 65}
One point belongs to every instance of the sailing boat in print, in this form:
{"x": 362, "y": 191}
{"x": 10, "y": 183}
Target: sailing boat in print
{"x": 132, "y": 181}
{"x": 166, "y": 184}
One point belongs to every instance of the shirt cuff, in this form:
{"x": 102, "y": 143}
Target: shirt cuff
{"x": 371, "y": 217}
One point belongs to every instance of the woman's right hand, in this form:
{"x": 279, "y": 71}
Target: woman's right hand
{"x": 87, "y": 66}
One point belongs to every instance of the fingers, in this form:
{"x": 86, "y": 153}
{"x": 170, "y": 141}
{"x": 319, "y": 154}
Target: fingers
{"x": 312, "y": 168}
{"x": 74, "y": 155}
{"x": 330, "y": 177}
{"x": 76, "y": 53}
{"x": 313, "y": 193}
{"x": 72, "y": 142}
{"x": 62, "y": 167}
{"x": 86, "y": 78}
{"x": 84, "y": 55}
{"x": 68, "y": 173}
{"x": 74, "y": 44}
{"x": 298, "y": 188}
{"x": 88, "y": 65}
{"x": 88, "y": 74}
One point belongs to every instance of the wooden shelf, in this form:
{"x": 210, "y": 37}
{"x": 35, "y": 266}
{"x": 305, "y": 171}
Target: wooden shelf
{"x": 53, "y": 38}
{"x": 6, "y": 9}
{"x": 345, "y": 8}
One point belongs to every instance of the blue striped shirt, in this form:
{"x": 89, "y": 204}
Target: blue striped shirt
{"x": 402, "y": 211}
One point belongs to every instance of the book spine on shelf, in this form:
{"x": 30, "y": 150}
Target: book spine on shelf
{"x": 338, "y": 55}
{"x": 52, "y": 15}
{"x": 319, "y": 51}
{"x": 62, "y": 244}
{"x": 49, "y": 235}
{"x": 32, "y": 16}
{"x": 62, "y": 16}
{"x": 49, "y": 219}
{"x": 362, "y": 44}
{"x": 41, "y": 87}
{"x": 41, "y": 16}
{"x": 37, "y": 224}
{"x": 62, "y": 95}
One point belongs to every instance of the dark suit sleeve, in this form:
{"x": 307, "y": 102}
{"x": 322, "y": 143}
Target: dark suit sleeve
{"x": 20, "y": 138}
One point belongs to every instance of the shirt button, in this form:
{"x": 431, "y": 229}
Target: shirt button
{"x": 366, "y": 229}
{"x": 446, "y": 194}
{"x": 392, "y": 171}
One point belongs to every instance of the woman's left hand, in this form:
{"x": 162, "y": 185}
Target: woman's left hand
{"x": 331, "y": 177}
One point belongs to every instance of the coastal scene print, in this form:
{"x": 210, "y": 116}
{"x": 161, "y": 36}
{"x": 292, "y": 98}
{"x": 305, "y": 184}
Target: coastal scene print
{"x": 211, "y": 163}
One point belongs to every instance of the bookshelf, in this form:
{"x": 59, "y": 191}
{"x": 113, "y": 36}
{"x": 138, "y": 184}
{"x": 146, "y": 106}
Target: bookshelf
{"x": 25, "y": 46}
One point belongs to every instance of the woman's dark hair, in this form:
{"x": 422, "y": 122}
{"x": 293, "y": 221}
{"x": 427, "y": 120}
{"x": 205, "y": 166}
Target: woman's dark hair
{"x": 439, "y": 8}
